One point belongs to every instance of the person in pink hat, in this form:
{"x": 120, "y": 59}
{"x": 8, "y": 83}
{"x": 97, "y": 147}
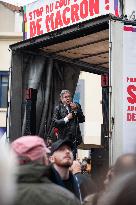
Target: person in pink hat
{"x": 34, "y": 187}
{"x": 31, "y": 148}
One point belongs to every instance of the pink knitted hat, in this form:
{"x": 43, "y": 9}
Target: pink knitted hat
{"x": 32, "y": 147}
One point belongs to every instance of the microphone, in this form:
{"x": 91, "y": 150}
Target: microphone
{"x": 73, "y": 109}
{"x": 73, "y": 113}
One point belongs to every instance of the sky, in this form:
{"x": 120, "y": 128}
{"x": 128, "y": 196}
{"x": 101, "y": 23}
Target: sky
{"x": 19, "y": 2}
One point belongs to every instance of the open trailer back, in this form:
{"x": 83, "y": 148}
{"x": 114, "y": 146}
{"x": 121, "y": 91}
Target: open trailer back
{"x": 64, "y": 38}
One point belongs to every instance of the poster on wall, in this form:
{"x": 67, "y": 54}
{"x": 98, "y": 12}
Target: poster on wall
{"x": 44, "y": 16}
{"x": 129, "y": 88}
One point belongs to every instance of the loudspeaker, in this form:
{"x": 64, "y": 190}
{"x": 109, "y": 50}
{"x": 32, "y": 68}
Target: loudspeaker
{"x": 100, "y": 164}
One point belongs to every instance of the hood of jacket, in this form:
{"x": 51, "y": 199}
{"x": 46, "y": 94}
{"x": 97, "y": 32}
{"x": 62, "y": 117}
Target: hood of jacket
{"x": 32, "y": 173}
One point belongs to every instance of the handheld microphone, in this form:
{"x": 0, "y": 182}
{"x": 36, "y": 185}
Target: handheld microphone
{"x": 74, "y": 112}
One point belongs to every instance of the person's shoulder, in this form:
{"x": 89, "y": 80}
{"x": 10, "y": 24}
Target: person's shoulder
{"x": 82, "y": 177}
{"x": 85, "y": 178}
{"x": 46, "y": 192}
{"x": 59, "y": 195}
{"x": 64, "y": 194}
{"x": 59, "y": 106}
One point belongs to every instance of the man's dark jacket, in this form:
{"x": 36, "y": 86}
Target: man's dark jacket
{"x": 83, "y": 184}
{"x": 34, "y": 188}
{"x": 70, "y": 129}
{"x": 86, "y": 184}
{"x": 54, "y": 176}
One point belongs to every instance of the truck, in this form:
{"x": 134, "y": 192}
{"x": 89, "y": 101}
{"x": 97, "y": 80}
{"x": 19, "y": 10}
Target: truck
{"x": 61, "y": 39}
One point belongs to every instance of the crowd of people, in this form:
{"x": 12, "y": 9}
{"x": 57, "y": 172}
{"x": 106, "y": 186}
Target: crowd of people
{"x": 34, "y": 173}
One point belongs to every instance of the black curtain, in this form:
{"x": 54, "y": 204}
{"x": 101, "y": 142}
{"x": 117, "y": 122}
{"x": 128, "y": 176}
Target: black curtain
{"x": 49, "y": 77}
{"x": 33, "y": 69}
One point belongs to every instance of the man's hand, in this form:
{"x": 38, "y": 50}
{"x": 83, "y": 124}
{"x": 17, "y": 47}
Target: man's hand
{"x": 69, "y": 116}
{"x": 73, "y": 106}
{"x": 76, "y": 167}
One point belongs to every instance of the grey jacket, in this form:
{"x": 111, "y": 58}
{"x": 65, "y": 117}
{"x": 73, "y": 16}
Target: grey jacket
{"x": 36, "y": 189}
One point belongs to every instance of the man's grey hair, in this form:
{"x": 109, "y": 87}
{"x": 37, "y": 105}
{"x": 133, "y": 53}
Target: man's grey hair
{"x": 63, "y": 92}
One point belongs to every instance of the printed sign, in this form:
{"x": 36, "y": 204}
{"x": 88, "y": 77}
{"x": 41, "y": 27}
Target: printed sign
{"x": 44, "y": 16}
{"x": 129, "y": 90}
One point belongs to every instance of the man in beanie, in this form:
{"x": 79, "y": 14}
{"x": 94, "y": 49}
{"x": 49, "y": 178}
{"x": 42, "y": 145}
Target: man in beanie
{"x": 34, "y": 187}
{"x": 59, "y": 171}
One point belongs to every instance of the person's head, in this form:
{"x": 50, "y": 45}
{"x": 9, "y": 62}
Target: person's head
{"x": 61, "y": 153}
{"x": 125, "y": 163}
{"x": 120, "y": 191}
{"x": 30, "y": 148}
{"x": 65, "y": 97}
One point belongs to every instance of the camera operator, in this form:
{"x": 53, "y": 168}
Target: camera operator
{"x": 66, "y": 118}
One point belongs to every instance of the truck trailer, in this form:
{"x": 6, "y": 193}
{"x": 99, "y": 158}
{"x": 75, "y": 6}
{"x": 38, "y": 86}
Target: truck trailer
{"x": 49, "y": 60}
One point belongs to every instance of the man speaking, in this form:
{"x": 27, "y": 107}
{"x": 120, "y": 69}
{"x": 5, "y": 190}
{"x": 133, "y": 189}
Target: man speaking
{"x": 66, "y": 118}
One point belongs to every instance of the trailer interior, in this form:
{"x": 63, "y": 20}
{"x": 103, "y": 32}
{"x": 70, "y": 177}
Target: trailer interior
{"x": 85, "y": 44}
